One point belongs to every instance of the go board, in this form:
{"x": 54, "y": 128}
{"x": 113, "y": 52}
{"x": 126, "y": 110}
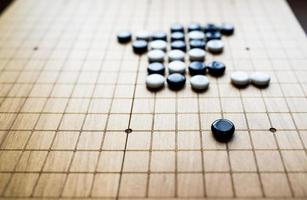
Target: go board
{"x": 77, "y": 121}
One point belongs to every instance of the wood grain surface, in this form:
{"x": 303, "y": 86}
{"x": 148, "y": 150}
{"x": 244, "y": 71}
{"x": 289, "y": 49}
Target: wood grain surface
{"x": 69, "y": 93}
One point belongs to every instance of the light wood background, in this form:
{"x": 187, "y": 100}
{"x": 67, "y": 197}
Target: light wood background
{"x": 68, "y": 91}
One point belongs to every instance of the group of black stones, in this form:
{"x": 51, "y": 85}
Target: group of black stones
{"x": 200, "y": 39}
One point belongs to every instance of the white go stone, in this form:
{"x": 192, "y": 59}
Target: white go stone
{"x": 199, "y": 82}
{"x": 156, "y": 56}
{"x": 260, "y": 79}
{"x": 143, "y": 35}
{"x": 196, "y": 35}
{"x": 215, "y": 46}
{"x": 176, "y": 55}
{"x": 197, "y": 54}
{"x": 158, "y": 44}
{"x": 240, "y": 78}
{"x": 155, "y": 81}
{"x": 176, "y": 67}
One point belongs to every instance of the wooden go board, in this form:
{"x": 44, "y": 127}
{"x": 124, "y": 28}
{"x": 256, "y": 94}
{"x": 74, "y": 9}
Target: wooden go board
{"x": 68, "y": 92}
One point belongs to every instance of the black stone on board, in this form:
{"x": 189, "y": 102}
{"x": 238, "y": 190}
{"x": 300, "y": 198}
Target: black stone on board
{"x": 124, "y": 37}
{"x": 177, "y": 28}
{"x": 197, "y": 68}
{"x": 156, "y": 68}
{"x": 227, "y": 29}
{"x": 176, "y": 81}
{"x": 139, "y": 46}
{"x": 210, "y": 27}
{"x": 159, "y": 36}
{"x": 200, "y": 44}
{"x": 216, "y": 68}
{"x": 223, "y": 130}
{"x": 215, "y": 35}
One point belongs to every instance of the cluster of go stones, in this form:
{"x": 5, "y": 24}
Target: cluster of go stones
{"x": 195, "y": 40}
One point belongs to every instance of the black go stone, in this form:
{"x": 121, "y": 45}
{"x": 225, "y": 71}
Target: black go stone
{"x": 227, "y": 29}
{"x": 216, "y": 68}
{"x": 179, "y": 45}
{"x": 215, "y": 35}
{"x": 177, "y": 28}
{"x": 197, "y": 68}
{"x": 176, "y": 81}
{"x": 177, "y": 36}
{"x": 194, "y": 27}
{"x": 156, "y": 68}
{"x": 124, "y": 37}
{"x": 139, "y": 46}
{"x": 159, "y": 36}
{"x": 223, "y": 130}
{"x": 210, "y": 27}
{"x": 200, "y": 44}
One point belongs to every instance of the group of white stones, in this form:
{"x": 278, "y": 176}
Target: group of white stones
{"x": 176, "y": 56}
{"x": 176, "y": 59}
{"x": 242, "y": 79}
